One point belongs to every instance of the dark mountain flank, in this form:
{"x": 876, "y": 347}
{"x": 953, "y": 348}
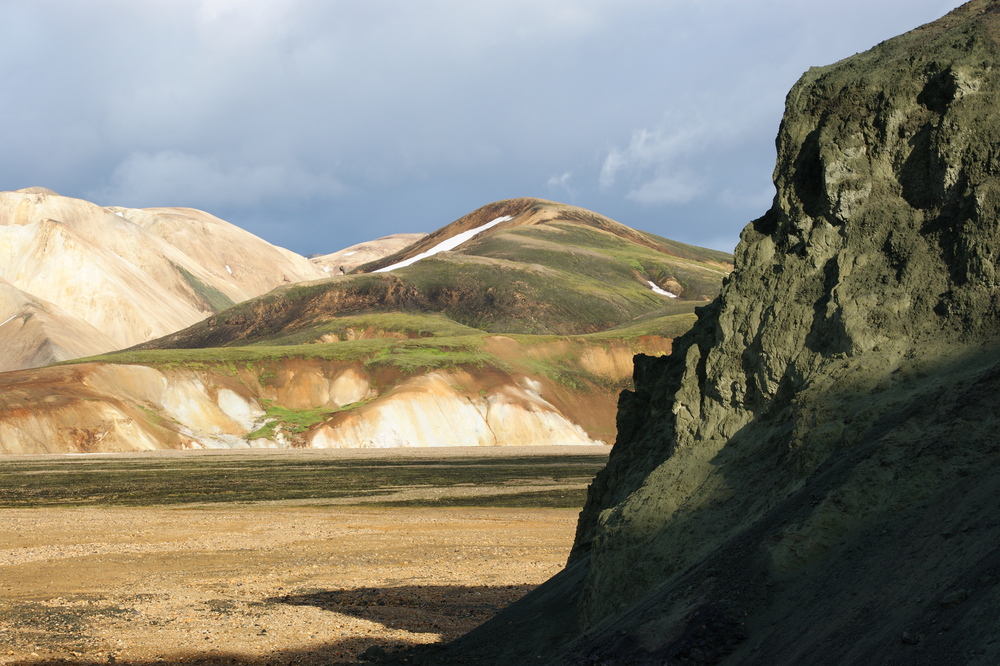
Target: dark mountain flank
{"x": 813, "y": 476}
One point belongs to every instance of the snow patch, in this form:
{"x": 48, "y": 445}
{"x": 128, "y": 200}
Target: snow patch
{"x": 448, "y": 244}
{"x": 229, "y": 269}
{"x": 657, "y": 290}
{"x": 327, "y": 269}
{"x": 347, "y": 254}
{"x": 9, "y": 319}
{"x": 119, "y": 214}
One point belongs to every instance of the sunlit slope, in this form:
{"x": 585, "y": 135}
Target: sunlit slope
{"x": 373, "y": 389}
{"x": 549, "y": 269}
{"x": 114, "y": 277}
{"x": 521, "y": 333}
{"x": 346, "y": 260}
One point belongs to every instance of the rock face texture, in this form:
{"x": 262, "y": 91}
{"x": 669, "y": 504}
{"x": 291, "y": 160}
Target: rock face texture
{"x": 812, "y": 476}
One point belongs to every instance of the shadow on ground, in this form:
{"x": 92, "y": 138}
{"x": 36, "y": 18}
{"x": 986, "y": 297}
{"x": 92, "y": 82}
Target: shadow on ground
{"x": 416, "y": 608}
{"x": 449, "y": 610}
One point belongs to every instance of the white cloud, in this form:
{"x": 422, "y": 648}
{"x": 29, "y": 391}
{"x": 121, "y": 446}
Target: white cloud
{"x": 561, "y": 180}
{"x": 676, "y": 188}
{"x": 176, "y": 178}
{"x": 561, "y": 184}
{"x": 429, "y": 109}
{"x": 652, "y": 148}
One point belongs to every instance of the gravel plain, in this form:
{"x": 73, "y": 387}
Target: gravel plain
{"x": 269, "y": 582}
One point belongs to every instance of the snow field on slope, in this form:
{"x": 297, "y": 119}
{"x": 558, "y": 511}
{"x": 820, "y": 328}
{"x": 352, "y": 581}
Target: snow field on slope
{"x": 447, "y": 244}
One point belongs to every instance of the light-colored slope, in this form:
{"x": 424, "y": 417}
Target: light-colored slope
{"x": 318, "y": 403}
{"x": 21, "y": 212}
{"x": 227, "y": 252}
{"x": 34, "y": 332}
{"x": 99, "y": 287}
{"x": 433, "y": 410}
{"x": 133, "y": 275}
{"x": 107, "y": 408}
{"x": 346, "y": 260}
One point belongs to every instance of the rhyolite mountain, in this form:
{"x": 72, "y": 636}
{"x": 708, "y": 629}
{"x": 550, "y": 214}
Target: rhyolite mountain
{"x": 77, "y": 279}
{"x": 346, "y": 260}
{"x": 514, "y": 325}
{"x": 813, "y": 475}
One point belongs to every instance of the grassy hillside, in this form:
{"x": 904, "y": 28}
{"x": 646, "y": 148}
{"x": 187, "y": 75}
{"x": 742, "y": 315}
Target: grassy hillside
{"x": 549, "y": 270}
{"x": 534, "y": 322}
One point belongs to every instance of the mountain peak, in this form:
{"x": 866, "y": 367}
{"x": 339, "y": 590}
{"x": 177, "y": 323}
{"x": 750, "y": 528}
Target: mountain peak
{"x": 36, "y": 190}
{"x": 507, "y": 214}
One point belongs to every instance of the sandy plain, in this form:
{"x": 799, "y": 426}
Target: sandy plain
{"x": 270, "y": 582}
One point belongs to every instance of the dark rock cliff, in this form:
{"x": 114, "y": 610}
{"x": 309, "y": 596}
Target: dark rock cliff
{"x": 812, "y": 476}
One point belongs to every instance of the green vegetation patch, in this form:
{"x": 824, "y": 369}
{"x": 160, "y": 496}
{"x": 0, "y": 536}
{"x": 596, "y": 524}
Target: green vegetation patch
{"x": 215, "y": 299}
{"x": 356, "y": 350}
{"x": 291, "y": 420}
{"x": 669, "y": 326}
{"x": 411, "y": 324}
{"x": 412, "y": 356}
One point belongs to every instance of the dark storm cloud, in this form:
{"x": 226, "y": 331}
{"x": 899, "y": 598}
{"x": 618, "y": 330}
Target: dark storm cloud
{"x": 321, "y": 124}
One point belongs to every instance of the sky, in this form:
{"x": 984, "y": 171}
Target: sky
{"x": 318, "y": 124}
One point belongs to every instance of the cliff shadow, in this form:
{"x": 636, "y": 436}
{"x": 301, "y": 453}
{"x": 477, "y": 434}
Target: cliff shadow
{"x": 446, "y": 610}
{"x": 414, "y": 608}
{"x": 867, "y": 544}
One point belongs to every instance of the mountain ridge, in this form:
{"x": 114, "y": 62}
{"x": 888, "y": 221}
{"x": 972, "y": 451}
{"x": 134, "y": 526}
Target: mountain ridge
{"x": 515, "y": 337}
{"x": 525, "y": 275}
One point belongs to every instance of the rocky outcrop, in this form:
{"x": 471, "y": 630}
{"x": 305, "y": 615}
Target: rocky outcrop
{"x": 505, "y": 400}
{"x": 812, "y": 476}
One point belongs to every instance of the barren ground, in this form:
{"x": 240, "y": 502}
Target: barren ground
{"x": 303, "y": 581}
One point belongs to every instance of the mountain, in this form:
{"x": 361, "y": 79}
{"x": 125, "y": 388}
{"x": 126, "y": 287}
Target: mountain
{"x": 107, "y": 278}
{"x": 346, "y": 260}
{"x": 34, "y": 332}
{"x": 521, "y": 332}
{"x": 542, "y": 268}
{"x": 812, "y": 476}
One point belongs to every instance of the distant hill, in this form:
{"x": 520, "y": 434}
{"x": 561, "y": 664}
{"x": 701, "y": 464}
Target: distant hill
{"x": 79, "y": 279}
{"x": 346, "y": 260}
{"x": 545, "y": 268}
{"x": 514, "y": 325}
